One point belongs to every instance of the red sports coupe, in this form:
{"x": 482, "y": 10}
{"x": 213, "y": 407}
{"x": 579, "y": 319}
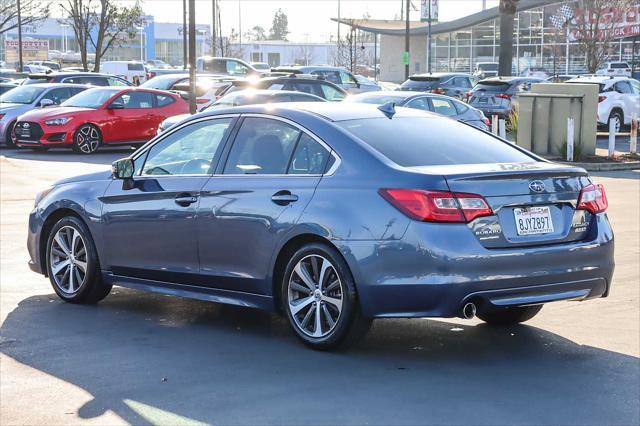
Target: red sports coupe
{"x": 109, "y": 115}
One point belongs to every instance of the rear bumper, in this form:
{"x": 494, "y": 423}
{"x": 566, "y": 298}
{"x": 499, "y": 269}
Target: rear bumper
{"x": 437, "y": 268}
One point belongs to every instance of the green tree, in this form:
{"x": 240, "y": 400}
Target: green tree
{"x": 507, "y": 10}
{"x": 101, "y": 23}
{"x": 256, "y": 33}
{"x": 279, "y": 26}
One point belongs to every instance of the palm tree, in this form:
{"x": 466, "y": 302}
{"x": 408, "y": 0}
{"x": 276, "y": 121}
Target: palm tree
{"x": 507, "y": 13}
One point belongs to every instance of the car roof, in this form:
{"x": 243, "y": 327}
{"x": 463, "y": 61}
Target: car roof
{"x": 331, "y": 111}
{"x": 440, "y": 74}
{"x": 271, "y": 92}
{"x": 509, "y": 79}
{"x": 598, "y": 79}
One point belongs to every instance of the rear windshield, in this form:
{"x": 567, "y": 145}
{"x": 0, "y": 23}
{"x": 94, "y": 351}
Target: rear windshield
{"x": 492, "y": 86}
{"x": 432, "y": 141}
{"x": 488, "y": 67}
{"x": 420, "y": 83}
{"x": 135, "y": 67}
{"x": 619, "y": 65}
{"x": 161, "y": 83}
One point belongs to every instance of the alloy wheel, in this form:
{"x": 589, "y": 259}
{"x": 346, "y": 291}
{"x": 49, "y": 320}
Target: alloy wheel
{"x": 88, "y": 139}
{"x": 315, "y": 296}
{"x": 68, "y": 259}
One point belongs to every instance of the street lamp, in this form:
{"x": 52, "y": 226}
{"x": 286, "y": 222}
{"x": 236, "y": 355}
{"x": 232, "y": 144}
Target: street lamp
{"x": 64, "y": 37}
{"x": 202, "y": 33}
{"x": 141, "y": 29}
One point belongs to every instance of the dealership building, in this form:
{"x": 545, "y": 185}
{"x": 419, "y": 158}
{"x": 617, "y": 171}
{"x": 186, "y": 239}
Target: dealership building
{"x": 545, "y": 35}
{"x": 152, "y": 40}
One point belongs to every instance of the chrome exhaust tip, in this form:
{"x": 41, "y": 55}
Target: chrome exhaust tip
{"x": 469, "y": 311}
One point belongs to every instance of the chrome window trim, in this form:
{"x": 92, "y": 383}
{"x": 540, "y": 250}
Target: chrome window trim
{"x": 145, "y": 148}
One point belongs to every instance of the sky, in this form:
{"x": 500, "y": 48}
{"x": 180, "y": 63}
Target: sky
{"x": 309, "y": 20}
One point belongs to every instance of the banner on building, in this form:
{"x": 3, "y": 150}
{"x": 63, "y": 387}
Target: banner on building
{"x": 611, "y": 23}
{"x": 424, "y": 11}
{"x": 32, "y": 50}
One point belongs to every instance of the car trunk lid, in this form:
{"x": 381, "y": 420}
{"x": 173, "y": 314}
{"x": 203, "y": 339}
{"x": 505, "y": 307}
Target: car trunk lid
{"x": 533, "y": 203}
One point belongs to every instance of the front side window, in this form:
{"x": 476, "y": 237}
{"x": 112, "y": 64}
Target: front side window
{"x": 22, "y": 95}
{"x": 623, "y": 87}
{"x": 309, "y": 158}
{"x": 187, "y": 151}
{"x": 347, "y": 78}
{"x": 236, "y": 68}
{"x": 113, "y": 81}
{"x": 262, "y": 146}
{"x": 58, "y": 95}
{"x": 332, "y": 76}
{"x": 136, "y": 100}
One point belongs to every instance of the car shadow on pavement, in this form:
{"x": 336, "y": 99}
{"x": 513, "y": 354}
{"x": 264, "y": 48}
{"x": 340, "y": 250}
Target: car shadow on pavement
{"x": 106, "y": 155}
{"x": 155, "y": 359}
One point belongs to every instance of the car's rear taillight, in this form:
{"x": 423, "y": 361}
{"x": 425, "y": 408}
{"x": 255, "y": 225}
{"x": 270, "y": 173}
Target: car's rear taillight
{"x": 601, "y": 98}
{"x": 202, "y": 100}
{"x": 593, "y": 199}
{"x": 438, "y": 91}
{"x": 437, "y": 206}
{"x": 1, "y": 115}
{"x": 503, "y": 96}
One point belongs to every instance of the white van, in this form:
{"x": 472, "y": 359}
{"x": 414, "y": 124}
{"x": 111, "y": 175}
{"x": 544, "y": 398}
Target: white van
{"x": 128, "y": 70}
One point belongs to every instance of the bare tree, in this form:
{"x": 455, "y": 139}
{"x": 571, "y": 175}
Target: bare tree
{"x": 348, "y": 52}
{"x": 594, "y": 25}
{"x": 32, "y": 12}
{"x": 102, "y": 23}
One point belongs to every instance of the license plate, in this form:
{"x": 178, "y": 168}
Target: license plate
{"x": 533, "y": 220}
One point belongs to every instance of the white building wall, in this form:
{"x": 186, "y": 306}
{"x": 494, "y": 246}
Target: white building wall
{"x": 391, "y": 48}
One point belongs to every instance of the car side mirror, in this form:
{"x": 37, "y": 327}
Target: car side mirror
{"x": 46, "y": 102}
{"x": 122, "y": 168}
{"x": 116, "y": 105}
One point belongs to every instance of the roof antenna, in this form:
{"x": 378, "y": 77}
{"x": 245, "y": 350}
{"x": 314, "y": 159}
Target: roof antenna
{"x": 388, "y": 108}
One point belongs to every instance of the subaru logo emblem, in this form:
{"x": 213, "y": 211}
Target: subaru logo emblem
{"x": 536, "y": 186}
{"x": 26, "y": 125}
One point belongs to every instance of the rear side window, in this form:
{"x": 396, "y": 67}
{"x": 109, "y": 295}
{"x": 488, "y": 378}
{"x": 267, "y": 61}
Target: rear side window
{"x": 619, "y": 65}
{"x": 135, "y": 67}
{"x": 164, "y": 100}
{"x": 309, "y": 158}
{"x": 114, "y": 81}
{"x": 419, "y": 103}
{"x": 262, "y": 146}
{"x": 332, "y": 76}
{"x": 623, "y": 87}
{"x": 136, "y": 100}
{"x": 430, "y": 141}
{"x": 443, "y": 107}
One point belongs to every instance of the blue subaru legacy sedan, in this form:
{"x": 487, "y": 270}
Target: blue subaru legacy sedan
{"x": 333, "y": 214}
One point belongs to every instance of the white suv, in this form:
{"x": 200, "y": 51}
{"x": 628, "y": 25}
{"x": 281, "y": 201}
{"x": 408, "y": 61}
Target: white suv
{"x": 618, "y": 99}
{"x": 621, "y": 69}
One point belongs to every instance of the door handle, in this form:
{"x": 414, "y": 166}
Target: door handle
{"x": 282, "y": 198}
{"x": 185, "y": 200}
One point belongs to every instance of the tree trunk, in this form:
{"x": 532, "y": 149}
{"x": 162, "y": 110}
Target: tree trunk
{"x": 505, "y": 58}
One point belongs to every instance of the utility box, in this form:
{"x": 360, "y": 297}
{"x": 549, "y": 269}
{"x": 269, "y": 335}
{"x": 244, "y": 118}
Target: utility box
{"x": 543, "y": 114}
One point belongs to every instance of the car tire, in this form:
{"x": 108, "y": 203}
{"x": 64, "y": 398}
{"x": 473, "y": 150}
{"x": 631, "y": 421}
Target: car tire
{"x": 509, "y": 316}
{"x": 87, "y": 139}
{"x": 72, "y": 263}
{"x": 331, "y": 316}
{"x": 616, "y": 117}
{"x": 8, "y": 140}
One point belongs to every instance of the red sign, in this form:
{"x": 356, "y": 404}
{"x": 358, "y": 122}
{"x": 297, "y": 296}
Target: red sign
{"x": 611, "y": 23}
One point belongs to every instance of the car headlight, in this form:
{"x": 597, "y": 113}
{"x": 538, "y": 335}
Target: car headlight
{"x": 40, "y": 196}
{"x": 57, "y": 121}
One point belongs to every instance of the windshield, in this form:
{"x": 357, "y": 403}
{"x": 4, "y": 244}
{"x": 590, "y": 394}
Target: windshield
{"x": 92, "y": 98}
{"x": 430, "y": 141}
{"x": 375, "y": 99}
{"x": 22, "y": 95}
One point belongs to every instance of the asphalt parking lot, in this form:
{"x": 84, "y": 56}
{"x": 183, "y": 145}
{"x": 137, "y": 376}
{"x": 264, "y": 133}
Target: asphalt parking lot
{"x": 149, "y": 359}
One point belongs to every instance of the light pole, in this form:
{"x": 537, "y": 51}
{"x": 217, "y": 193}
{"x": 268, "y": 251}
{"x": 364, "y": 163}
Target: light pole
{"x": 141, "y": 29}
{"x": 20, "y": 36}
{"x": 64, "y": 37}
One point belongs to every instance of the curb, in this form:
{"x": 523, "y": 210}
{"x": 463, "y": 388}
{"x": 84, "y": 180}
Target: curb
{"x": 605, "y": 167}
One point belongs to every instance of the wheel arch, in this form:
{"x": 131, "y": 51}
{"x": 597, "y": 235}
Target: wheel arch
{"x": 285, "y": 252}
{"x": 47, "y": 226}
